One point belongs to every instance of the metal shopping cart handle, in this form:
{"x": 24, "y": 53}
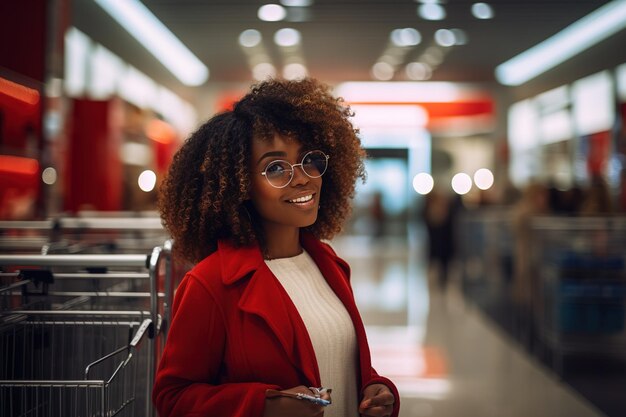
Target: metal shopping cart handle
{"x": 140, "y": 332}
{"x": 145, "y": 325}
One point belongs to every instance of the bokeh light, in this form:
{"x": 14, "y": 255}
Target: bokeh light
{"x": 147, "y": 180}
{"x": 461, "y": 183}
{"x": 405, "y": 37}
{"x": 250, "y": 38}
{"x": 418, "y": 71}
{"x": 482, "y": 11}
{"x": 445, "y": 37}
{"x": 483, "y": 178}
{"x": 423, "y": 183}
{"x": 287, "y": 37}
{"x": 431, "y": 11}
{"x": 272, "y": 13}
{"x": 294, "y": 71}
{"x": 263, "y": 71}
{"x": 383, "y": 71}
{"x": 49, "y": 176}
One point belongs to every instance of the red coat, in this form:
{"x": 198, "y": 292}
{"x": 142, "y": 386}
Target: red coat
{"x": 236, "y": 333}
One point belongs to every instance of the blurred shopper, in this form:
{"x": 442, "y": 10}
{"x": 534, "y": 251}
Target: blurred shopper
{"x": 534, "y": 202}
{"x": 267, "y": 314}
{"x": 439, "y": 216}
{"x": 510, "y": 194}
{"x": 621, "y": 198}
{"x": 598, "y": 202}
{"x": 378, "y": 215}
{"x": 597, "y": 199}
{"x": 565, "y": 202}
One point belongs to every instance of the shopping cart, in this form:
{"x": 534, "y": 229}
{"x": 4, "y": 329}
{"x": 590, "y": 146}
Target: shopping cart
{"x": 24, "y": 236}
{"x": 73, "y": 363}
{"x": 114, "y": 235}
{"x": 484, "y": 243}
{"x": 97, "y": 286}
{"x": 580, "y": 306}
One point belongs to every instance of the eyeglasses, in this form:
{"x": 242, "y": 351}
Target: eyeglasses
{"x": 280, "y": 173}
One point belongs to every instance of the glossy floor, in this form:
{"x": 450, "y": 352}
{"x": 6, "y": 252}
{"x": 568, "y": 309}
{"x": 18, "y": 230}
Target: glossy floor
{"x": 446, "y": 356}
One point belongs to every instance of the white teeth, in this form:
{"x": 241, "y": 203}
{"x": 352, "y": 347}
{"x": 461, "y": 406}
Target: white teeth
{"x": 302, "y": 199}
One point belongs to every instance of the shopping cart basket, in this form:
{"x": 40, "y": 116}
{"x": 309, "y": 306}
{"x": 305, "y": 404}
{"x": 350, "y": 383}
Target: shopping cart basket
{"x": 73, "y": 363}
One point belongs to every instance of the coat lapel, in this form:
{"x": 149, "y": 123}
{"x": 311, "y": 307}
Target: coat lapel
{"x": 263, "y": 296}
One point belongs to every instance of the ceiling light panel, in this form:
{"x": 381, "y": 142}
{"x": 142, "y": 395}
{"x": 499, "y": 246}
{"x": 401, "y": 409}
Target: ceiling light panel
{"x": 402, "y": 92}
{"x": 579, "y": 36}
{"x": 135, "y": 18}
{"x": 296, "y": 3}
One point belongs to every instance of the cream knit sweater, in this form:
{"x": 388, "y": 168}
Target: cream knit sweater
{"x": 330, "y": 329}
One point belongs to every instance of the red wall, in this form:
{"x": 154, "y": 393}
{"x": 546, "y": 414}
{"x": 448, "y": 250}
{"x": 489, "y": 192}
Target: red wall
{"x": 22, "y": 72}
{"x": 93, "y": 178}
{"x": 23, "y": 33}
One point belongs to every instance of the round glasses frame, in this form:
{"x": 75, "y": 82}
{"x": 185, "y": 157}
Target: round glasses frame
{"x": 293, "y": 168}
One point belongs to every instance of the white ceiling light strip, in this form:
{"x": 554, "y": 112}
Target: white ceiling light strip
{"x": 404, "y": 92}
{"x": 586, "y": 32}
{"x": 133, "y": 16}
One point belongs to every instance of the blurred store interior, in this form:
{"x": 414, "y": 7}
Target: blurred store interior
{"x": 487, "y": 245}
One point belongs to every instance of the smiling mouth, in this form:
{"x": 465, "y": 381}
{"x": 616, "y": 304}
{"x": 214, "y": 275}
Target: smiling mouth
{"x": 301, "y": 200}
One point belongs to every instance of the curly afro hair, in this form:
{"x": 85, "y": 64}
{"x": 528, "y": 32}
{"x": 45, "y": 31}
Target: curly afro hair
{"x": 204, "y": 197}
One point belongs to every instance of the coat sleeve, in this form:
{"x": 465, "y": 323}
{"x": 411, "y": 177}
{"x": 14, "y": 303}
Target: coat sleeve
{"x": 187, "y": 381}
{"x": 377, "y": 379}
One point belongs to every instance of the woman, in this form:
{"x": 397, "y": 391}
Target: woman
{"x": 267, "y": 313}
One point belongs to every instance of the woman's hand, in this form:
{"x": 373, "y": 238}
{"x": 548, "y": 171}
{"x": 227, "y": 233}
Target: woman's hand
{"x": 377, "y": 401}
{"x": 291, "y": 407}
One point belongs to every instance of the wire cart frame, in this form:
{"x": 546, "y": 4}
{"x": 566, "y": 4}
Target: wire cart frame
{"x": 581, "y": 286}
{"x": 85, "y": 292}
{"x": 72, "y": 363}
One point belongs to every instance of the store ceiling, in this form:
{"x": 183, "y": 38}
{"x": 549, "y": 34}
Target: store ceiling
{"x": 341, "y": 39}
